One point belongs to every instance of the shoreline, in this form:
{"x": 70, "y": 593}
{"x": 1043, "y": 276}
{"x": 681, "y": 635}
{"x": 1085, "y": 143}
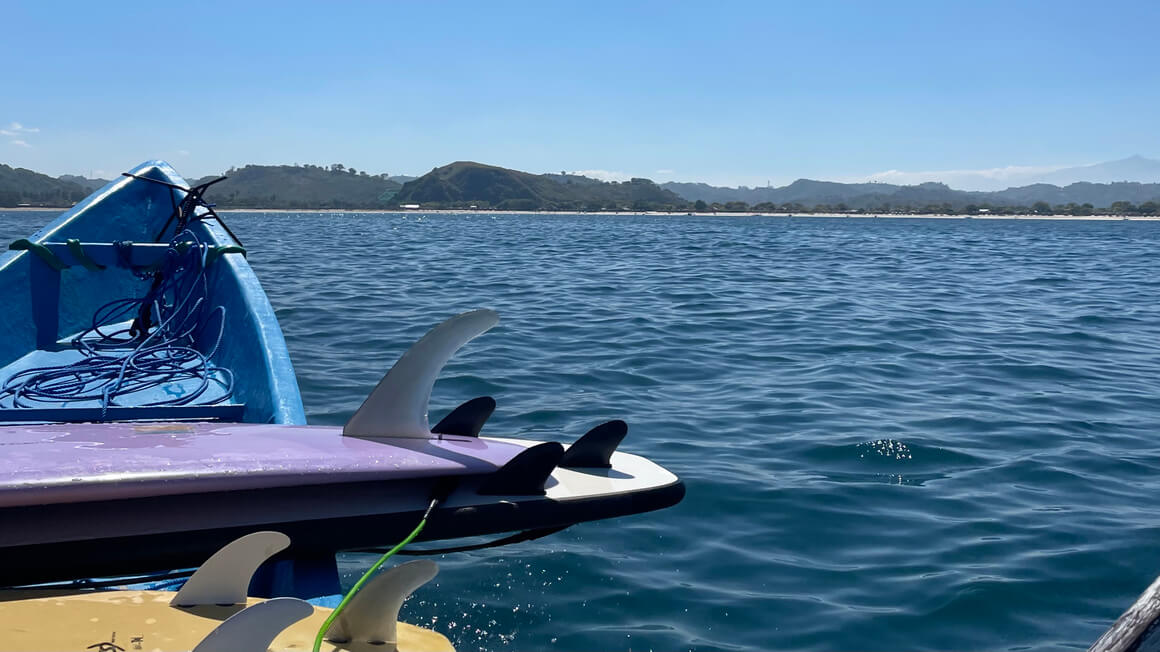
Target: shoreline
{"x": 458, "y": 211}
{"x": 935, "y": 216}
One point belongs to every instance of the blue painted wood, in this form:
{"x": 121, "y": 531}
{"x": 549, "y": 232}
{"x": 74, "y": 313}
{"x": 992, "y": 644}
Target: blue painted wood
{"x": 139, "y": 254}
{"x": 44, "y": 282}
{"x": 136, "y": 254}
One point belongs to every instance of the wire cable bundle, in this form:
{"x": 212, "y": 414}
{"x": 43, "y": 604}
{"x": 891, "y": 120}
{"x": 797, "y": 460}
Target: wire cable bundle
{"x": 158, "y": 348}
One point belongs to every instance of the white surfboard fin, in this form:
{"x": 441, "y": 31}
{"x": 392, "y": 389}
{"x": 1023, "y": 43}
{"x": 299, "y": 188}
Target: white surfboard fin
{"x": 224, "y": 578}
{"x": 398, "y": 405}
{"x": 253, "y": 629}
{"x": 372, "y": 614}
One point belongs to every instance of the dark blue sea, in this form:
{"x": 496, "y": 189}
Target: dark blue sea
{"x": 895, "y": 433}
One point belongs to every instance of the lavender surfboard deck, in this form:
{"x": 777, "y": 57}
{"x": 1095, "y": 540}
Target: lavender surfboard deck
{"x": 59, "y": 463}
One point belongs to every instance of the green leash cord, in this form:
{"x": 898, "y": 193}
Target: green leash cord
{"x": 367, "y": 575}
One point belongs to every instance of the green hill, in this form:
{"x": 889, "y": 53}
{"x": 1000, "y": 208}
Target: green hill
{"x": 19, "y": 186}
{"x": 84, "y": 182}
{"x": 303, "y": 187}
{"x": 466, "y": 184}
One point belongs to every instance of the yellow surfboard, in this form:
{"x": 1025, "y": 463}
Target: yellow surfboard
{"x": 124, "y": 621}
{"x": 212, "y": 613}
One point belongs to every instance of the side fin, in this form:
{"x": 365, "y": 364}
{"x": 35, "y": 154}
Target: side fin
{"x": 526, "y": 473}
{"x": 398, "y": 405}
{"x": 224, "y": 578}
{"x": 253, "y": 629}
{"x": 594, "y": 450}
{"x": 373, "y": 613}
{"x": 467, "y": 419}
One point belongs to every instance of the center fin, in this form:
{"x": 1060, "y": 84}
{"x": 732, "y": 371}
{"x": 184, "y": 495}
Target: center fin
{"x": 398, "y": 405}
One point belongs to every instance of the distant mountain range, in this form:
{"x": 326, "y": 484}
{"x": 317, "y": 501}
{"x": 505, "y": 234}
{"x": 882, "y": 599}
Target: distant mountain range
{"x": 466, "y": 184}
{"x": 1133, "y": 168}
{"x": 886, "y": 196}
{"x": 90, "y": 184}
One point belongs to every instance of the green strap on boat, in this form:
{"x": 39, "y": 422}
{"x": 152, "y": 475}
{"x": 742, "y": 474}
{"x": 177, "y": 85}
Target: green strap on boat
{"x": 219, "y": 251}
{"x": 43, "y": 252}
{"x": 78, "y": 252}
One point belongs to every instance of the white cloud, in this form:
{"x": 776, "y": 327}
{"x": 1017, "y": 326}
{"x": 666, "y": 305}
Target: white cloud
{"x": 20, "y": 143}
{"x": 16, "y": 129}
{"x": 603, "y": 175}
{"x": 183, "y": 152}
{"x": 663, "y": 172}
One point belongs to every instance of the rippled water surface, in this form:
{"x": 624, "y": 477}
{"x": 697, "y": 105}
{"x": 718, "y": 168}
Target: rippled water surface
{"x": 895, "y": 434}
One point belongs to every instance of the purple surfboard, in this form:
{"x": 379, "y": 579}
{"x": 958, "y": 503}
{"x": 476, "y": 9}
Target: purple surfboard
{"x": 47, "y": 464}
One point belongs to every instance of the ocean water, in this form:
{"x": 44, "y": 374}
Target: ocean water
{"x": 895, "y": 434}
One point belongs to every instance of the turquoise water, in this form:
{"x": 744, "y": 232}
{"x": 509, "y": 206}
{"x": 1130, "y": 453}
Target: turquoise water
{"x": 895, "y": 434}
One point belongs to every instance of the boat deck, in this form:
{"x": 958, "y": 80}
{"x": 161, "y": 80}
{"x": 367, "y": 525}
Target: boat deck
{"x": 174, "y": 397}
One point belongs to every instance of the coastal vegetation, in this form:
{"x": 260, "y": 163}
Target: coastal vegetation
{"x": 303, "y": 187}
{"x": 475, "y": 186}
{"x": 21, "y": 187}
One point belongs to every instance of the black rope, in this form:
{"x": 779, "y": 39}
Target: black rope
{"x": 186, "y": 209}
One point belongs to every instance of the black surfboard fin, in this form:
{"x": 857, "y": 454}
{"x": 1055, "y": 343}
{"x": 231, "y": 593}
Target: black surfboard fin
{"x": 526, "y": 473}
{"x": 467, "y": 419}
{"x": 594, "y": 450}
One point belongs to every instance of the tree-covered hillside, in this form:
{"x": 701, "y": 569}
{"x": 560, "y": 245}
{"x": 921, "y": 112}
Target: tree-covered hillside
{"x": 466, "y": 184}
{"x": 19, "y": 186}
{"x": 305, "y": 187}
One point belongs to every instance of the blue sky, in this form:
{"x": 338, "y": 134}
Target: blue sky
{"x": 724, "y": 92}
